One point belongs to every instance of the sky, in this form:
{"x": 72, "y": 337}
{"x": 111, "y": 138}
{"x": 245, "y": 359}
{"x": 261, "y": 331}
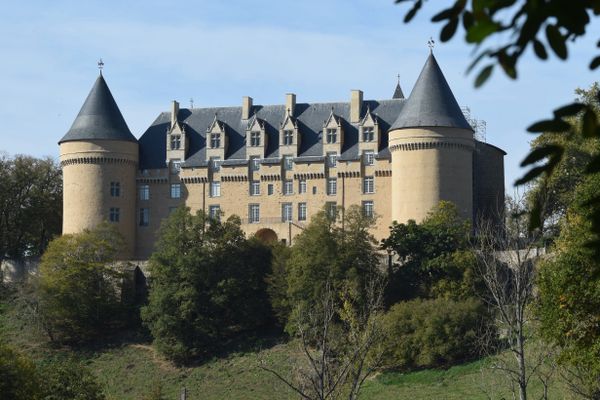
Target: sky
{"x": 216, "y": 52}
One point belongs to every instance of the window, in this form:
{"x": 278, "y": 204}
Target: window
{"x": 254, "y": 188}
{"x": 144, "y": 216}
{"x": 254, "y": 139}
{"x": 254, "y": 163}
{"x": 175, "y": 142}
{"x": 331, "y": 208}
{"x": 368, "y": 209}
{"x": 286, "y": 212}
{"x": 368, "y": 157}
{"x": 113, "y": 216}
{"x": 215, "y": 189}
{"x": 288, "y": 137}
{"x": 175, "y": 190}
{"x": 288, "y": 163}
{"x": 254, "y": 213}
{"x": 144, "y": 191}
{"x": 314, "y": 190}
{"x": 175, "y": 166}
{"x": 214, "y": 212}
{"x": 301, "y": 211}
{"x": 115, "y": 189}
{"x": 302, "y": 186}
{"x": 368, "y": 184}
{"x": 288, "y": 187}
{"x": 172, "y": 210}
{"x": 215, "y": 140}
{"x": 331, "y": 135}
{"x": 331, "y": 160}
{"x": 331, "y": 186}
{"x": 215, "y": 163}
{"x": 270, "y": 189}
{"x": 368, "y": 134}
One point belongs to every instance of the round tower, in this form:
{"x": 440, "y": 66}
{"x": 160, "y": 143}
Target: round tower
{"x": 99, "y": 158}
{"x": 432, "y": 145}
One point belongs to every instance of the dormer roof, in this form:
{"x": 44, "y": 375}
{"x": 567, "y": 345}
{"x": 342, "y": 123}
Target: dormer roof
{"x": 398, "y": 94}
{"x": 99, "y": 118}
{"x": 431, "y": 102}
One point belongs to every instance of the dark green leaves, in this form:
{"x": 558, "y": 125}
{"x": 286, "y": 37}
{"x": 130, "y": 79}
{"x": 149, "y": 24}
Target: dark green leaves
{"x": 539, "y": 49}
{"x": 569, "y": 110}
{"x": 595, "y": 62}
{"x": 449, "y": 30}
{"x": 540, "y": 153}
{"x": 484, "y": 75}
{"x": 413, "y": 11}
{"x": 557, "y": 41}
{"x": 550, "y": 125}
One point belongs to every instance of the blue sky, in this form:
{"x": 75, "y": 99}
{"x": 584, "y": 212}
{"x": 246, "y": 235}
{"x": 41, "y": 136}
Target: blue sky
{"x": 218, "y": 51}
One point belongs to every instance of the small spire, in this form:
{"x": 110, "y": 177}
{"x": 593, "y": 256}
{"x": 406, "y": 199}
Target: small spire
{"x": 431, "y": 44}
{"x": 398, "y": 79}
{"x": 100, "y": 65}
{"x": 191, "y": 102}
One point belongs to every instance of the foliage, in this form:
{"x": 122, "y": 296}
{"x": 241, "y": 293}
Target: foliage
{"x": 338, "y": 250}
{"x": 277, "y": 286}
{"x": 207, "y": 283}
{"x": 569, "y": 285}
{"x": 18, "y": 376}
{"x": 30, "y": 205}
{"x": 78, "y": 288}
{"x": 69, "y": 379}
{"x": 425, "y": 333}
{"x": 434, "y": 257}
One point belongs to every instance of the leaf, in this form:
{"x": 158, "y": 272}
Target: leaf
{"x": 550, "y": 125}
{"x": 449, "y": 30}
{"x": 540, "y": 50}
{"x": 590, "y": 123}
{"x": 445, "y": 14}
{"x": 481, "y": 29}
{"x": 595, "y": 63}
{"x": 557, "y": 41}
{"x": 569, "y": 110}
{"x": 468, "y": 20}
{"x": 540, "y": 153}
{"x": 535, "y": 216}
{"x": 484, "y": 75}
{"x": 532, "y": 174}
{"x": 413, "y": 11}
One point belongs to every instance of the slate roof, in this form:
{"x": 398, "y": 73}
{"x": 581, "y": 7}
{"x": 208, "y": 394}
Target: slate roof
{"x": 431, "y": 102}
{"x": 99, "y": 118}
{"x": 398, "y": 94}
{"x": 310, "y": 119}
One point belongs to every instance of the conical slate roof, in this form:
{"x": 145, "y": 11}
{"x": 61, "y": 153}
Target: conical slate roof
{"x": 99, "y": 118}
{"x": 398, "y": 94}
{"x": 431, "y": 102}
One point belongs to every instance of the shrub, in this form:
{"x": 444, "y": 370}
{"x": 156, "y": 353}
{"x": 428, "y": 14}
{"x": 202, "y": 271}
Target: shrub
{"x": 433, "y": 333}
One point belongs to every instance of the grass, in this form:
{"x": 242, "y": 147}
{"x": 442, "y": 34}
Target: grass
{"x": 130, "y": 368}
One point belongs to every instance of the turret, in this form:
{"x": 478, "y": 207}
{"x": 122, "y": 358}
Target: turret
{"x": 432, "y": 146}
{"x": 99, "y": 158}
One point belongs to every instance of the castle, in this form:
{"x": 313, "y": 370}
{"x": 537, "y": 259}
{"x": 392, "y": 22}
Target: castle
{"x": 276, "y": 165}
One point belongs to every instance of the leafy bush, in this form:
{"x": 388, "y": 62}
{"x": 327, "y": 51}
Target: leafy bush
{"x": 68, "y": 379}
{"x": 432, "y": 333}
{"x": 18, "y": 377}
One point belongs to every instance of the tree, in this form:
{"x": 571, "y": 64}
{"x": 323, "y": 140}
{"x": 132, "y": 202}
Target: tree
{"x": 18, "y": 376}
{"x": 207, "y": 284}
{"x": 529, "y": 23}
{"x": 68, "y": 379}
{"x": 78, "y": 287}
{"x": 30, "y": 205}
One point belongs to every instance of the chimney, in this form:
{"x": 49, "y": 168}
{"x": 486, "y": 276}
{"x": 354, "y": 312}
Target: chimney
{"x": 174, "y": 112}
{"x": 246, "y": 107}
{"x": 290, "y": 103}
{"x": 356, "y": 99}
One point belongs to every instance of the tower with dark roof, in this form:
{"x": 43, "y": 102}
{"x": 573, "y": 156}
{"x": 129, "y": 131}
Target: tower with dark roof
{"x": 431, "y": 145}
{"x": 99, "y": 159}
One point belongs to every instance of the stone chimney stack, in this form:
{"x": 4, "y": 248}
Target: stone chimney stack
{"x": 356, "y": 99}
{"x": 246, "y": 107}
{"x": 290, "y": 103}
{"x": 174, "y": 112}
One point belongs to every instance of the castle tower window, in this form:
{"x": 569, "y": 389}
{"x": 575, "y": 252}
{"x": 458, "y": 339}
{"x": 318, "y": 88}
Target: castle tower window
{"x": 214, "y": 212}
{"x": 254, "y": 163}
{"x": 144, "y": 217}
{"x": 254, "y": 139}
{"x": 144, "y": 192}
{"x": 175, "y": 142}
{"x": 286, "y": 212}
{"x": 175, "y": 166}
{"x": 288, "y": 162}
{"x": 115, "y": 189}
{"x": 368, "y": 134}
{"x": 331, "y": 208}
{"x": 368, "y": 209}
{"x": 331, "y": 160}
{"x": 215, "y": 189}
{"x": 331, "y": 136}
{"x": 270, "y": 189}
{"x": 332, "y": 186}
{"x": 114, "y": 214}
{"x": 302, "y": 186}
{"x": 368, "y": 185}
{"x": 301, "y": 211}
{"x": 254, "y": 188}
{"x": 215, "y": 164}
{"x": 254, "y": 213}
{"x": 288, "y": 137}
{"x": 288, "y": 187}
{"x": 175, "y": 190}
{"x": 369, "y": 157}
{"x": 215, "y": 140}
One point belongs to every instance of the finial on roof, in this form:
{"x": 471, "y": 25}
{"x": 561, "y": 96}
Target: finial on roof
{"x": 191, "y": 102}
{"x": 100, "y": 65}
{"x": 398, "y": 79}
{"x": 431, "y": 44}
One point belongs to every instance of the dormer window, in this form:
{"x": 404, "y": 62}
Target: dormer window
{"x": 331, "y": 136}
{"x": 215, "y": 140}
{"x": 255, "y": 138}
{"x": 368, "y": 134}
{"x": 288, "y": 137}
{"x": 175, "y": 142}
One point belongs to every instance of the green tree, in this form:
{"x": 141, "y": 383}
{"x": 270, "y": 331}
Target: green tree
{"x": 78, "y": 288}
{"x": 18, "y": 376}
{"x": 278, "y": 284}
{"x": 207, "y": 284}
{"x": 30, "y": 205}
{"x": 68, "y": 379}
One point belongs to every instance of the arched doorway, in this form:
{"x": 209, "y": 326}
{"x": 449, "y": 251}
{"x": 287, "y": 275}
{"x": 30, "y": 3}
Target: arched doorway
{"x": 266, "y": 235}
